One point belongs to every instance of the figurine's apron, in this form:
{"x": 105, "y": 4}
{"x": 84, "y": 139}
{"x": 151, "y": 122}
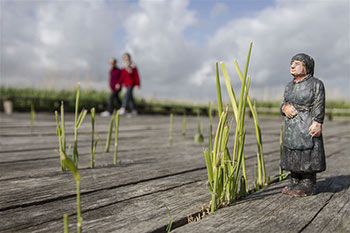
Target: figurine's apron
{"x": 296, "y": 131}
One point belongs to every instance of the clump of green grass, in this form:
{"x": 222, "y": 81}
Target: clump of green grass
{"x": 227, "y": 179}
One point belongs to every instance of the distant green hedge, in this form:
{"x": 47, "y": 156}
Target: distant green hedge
{"x": 49, "y": 101}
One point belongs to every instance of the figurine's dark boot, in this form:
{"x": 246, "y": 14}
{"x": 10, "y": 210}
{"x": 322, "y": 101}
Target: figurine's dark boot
{"x": 294, "y": 181}
{"x": 307, "y": 186}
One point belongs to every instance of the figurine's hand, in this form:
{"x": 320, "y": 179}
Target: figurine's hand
{"x": 289, "y": 110}
{"x": 315, "y": 129}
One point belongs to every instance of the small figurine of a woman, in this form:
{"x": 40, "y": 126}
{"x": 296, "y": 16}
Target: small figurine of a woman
{"x": 303, "y": 108}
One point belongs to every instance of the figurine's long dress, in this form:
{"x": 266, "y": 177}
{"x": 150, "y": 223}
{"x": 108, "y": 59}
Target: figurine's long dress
{"x": 302, "y": 152}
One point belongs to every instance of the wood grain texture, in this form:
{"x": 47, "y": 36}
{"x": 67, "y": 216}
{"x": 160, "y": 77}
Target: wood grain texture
{"x": 131, "y": 196}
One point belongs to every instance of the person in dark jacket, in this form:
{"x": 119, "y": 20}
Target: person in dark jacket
{"x": 303, "y": 108}
{"x": 115, "y": 86}
{"x": 129, "y": 79}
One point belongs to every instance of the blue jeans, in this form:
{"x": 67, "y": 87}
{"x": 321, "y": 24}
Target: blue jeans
{"x": 128, "y": 99}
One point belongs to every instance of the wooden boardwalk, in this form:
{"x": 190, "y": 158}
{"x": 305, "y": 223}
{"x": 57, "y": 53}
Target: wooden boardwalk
{"x": 131, "y": 196}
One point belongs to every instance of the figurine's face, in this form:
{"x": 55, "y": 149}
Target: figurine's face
{"x": 297, "y": 68}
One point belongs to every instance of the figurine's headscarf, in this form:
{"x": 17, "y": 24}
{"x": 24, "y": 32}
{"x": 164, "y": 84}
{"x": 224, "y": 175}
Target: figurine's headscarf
{"x": 308, "y": 61}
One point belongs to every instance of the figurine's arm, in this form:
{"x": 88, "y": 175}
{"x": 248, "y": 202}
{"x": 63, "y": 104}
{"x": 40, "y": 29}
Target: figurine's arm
{"x": 318, "y": 110}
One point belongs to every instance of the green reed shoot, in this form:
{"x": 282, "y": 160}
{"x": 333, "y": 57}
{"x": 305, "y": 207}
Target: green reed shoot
{"x": 116, "y": 130}
{"x": 171, "y": 129}
{"x": 60, "y": 131}
{"x": 68, "y": 163}
{"x": 78, "y": 120}
{"x": 282, "y": 174}
{"x": 239, "y": 113}
{"x": 184, "y": 125}
{"x": 218, "y": 90}
{"x": 93, "y": 143}
{"x": 210, "y": 127}
{"x": 281, "y": 149}
{"x": 168, "y": 229}
{"x": 109, "y": 135}
{"x": 262, "y": 177}
{"x": 199, "y": 135}
{"x": 65, "y": 221}
{"x": 32, "y": 114}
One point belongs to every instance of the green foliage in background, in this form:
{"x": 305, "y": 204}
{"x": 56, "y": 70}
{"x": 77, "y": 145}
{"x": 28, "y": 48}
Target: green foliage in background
{"x": 48, "y": 100}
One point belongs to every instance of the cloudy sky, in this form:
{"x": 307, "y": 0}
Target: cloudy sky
{"x": 175, "y": 44}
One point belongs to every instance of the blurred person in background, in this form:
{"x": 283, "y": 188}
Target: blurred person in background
{"x": 129, "y": 79}
{"x": 115, "y": 86}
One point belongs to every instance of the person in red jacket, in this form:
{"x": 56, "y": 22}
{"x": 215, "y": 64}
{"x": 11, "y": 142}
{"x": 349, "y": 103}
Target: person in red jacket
{"x": 115, "y": 86}
{"x": 129, "y": 78}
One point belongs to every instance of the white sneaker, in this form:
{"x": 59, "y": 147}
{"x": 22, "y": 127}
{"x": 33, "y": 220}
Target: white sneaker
{"x": 121, "y": 111}
{"x": 105, "y": 114}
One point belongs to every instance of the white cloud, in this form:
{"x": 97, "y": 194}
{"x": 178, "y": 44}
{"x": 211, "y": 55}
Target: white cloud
{"x": 156, "y": 41}
{"x": 219, "y": 9}
{"x": 58, "y": 37}
{"x": 320, "y": 29}
{"x": 62, "y": 42}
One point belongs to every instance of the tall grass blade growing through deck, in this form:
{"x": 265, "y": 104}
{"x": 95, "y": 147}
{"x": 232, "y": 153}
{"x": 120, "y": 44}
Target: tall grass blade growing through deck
{"x": 32, "y": 114}
{"x": 282, "y": 174}
{"x": 93, "y": 144}
{"x": 184, "y": 125}
{"x": 116, "y": 131}
{"x": 171, "y": 119}
{"x": 65, "y": 221}
{"x": 109, "y": 135}
{"x": 198, "y": 137}
{"x": 68, "y": 163}
{"x": 210, "y": 127}
{"x": 168, "y": 228}
{"x": 78, "y": 120}
{"x": 60, "y": 131}
{"x": 218, "y": 90}
{"x": 262, "y": 177}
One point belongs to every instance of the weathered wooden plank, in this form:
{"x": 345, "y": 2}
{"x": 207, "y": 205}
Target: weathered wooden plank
{"x": 36, "y": 189}
{"x": 99, "y": 201}
{"x": 335, "y": 214}
{"x": 142, "y": 214}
